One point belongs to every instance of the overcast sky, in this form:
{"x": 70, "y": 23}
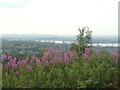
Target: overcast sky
{"x": 58, "y": 16}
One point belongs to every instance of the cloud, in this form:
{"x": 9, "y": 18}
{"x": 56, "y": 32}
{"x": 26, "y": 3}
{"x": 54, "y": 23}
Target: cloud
{"x": 14, "y": 3}
{"x": 58, "y": 16}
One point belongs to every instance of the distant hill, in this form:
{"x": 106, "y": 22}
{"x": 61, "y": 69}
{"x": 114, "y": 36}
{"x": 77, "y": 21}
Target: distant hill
{"x": 99, "y": 39}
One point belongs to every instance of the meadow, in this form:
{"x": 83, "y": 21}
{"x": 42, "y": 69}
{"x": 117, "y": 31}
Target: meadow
{"x": 95, "y": 68}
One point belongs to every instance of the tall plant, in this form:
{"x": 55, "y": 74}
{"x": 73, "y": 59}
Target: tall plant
{"x": 84, "y": 40}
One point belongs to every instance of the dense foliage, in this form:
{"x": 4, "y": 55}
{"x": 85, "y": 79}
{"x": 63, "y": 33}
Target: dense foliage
{"x": 61, "y": 69}
{"x": 22, "y": 49}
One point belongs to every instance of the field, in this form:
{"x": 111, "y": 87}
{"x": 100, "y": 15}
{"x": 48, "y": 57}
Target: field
{"x": 95, "y": 68}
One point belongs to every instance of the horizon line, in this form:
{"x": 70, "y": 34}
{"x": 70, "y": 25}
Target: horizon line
{"x": 54, "y": 34}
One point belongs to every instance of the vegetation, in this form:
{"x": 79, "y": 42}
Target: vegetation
{"x": 21, "y": 49}
{"x": 58, "y": 69}
{"x": 84, "y": 40}
{"x": 80, "y": 67}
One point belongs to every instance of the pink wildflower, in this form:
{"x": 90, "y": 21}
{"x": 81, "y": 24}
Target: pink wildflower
{"x": 3, "y": 56}
{"x": 85, "y": 56}
{"x": 29, "y": 67}
{"x": 98, "y": 51}
{"x": 17, "y": 73}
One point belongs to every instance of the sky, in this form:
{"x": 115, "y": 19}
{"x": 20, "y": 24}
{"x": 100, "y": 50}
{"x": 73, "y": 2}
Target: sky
{"x": 59, "y": 17}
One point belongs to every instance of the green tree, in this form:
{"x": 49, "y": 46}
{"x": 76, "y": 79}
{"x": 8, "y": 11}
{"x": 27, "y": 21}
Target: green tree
{"x": 84, "y": 40}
